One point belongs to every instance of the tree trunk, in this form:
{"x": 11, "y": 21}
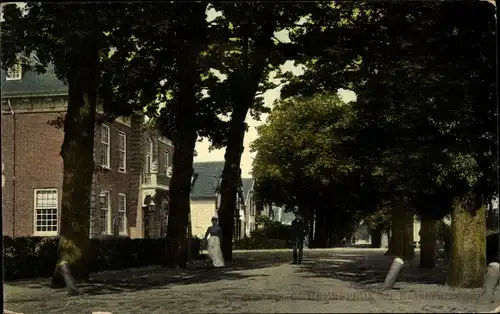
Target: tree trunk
{"x": 401, "y": 244}
{"x": 468, "y": 247}
{"x": 311, "y": 228}
{"x": 176, "y": 253}
{"x": 247, "y": 79}
{"x": 77, "y": 154}
{"x": 231, "y": 176}
{"x": 428, "y": 246}
{"x": 184, "y": 111}
{"x": 376, "y": 236}
{"x": 320, "y": 234}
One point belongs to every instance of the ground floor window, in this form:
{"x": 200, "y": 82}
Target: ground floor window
{"x": 46, "y": 212}
{"x": 105, "y": 213}
{"x": 237, "y": 229}
{"x": 122, "y": 213}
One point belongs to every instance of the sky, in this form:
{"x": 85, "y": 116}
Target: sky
{"x": 202, "y": 147}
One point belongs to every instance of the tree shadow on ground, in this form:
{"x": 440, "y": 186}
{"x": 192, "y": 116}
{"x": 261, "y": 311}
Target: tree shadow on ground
{"x": 368, "y": 267}
{"x": 154, "y": 277}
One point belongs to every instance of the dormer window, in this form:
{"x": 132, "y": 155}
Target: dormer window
{"x": 14, "y": 73}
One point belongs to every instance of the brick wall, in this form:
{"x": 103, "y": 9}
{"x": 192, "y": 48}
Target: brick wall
{"x": 39, "y": 164}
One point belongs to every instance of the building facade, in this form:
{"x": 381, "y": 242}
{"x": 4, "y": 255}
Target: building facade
{"x": 205, "y": 201}
{"x": 131, "y": 163}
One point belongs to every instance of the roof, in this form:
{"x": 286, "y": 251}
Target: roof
{"x": 33, "y": 84}
{"x": 247, "y": 186}
{"x": 209, "y": 174}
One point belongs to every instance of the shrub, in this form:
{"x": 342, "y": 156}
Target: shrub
{"x": 29, "y": 257}
{"x": 269, "y": 235}
{"x": 261, "y": 244}
{"x": 270, "y": 229}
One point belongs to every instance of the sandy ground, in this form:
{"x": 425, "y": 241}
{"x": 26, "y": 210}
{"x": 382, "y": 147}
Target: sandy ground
{"x": 341, "y": 280}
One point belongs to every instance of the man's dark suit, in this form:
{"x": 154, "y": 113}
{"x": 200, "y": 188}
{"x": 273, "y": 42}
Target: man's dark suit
{"x": 298, "y": 233}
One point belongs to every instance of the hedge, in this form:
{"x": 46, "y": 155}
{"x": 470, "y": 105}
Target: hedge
{"x": 259, "y": 243}
{"x": 29, "y": 257}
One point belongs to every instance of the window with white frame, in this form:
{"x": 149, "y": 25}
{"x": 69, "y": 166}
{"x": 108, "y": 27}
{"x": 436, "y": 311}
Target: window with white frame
{"x": 105, "y": 213}
{"x": 122, "y": 213}
{"x": 149, "y": 157}
{"x": 166, "y": 163}
{"x": 14, "y": 73}
{"x": 122, "y": 150}
{"x": 105, "y": 146}
{"x": 46, "y": 212}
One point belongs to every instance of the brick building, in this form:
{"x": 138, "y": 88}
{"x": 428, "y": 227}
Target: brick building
{"x": 135, "y": 164}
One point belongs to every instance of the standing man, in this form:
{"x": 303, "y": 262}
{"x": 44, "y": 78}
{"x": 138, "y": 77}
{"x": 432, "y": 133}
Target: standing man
{"x": 298, "y": 232}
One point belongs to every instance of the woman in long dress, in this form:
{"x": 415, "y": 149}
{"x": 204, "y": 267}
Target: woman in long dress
{"x": 214, "y": 242}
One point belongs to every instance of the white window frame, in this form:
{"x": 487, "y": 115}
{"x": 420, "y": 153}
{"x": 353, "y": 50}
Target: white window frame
{"x": 109, "y": 222}
{"x": 107, "y": 145}
{"x": 16, "y": 69}
{"x": 149, "y": 156}
{"x": 123, "y": 212}
{"x": 122, "y": 136}
{"x": 35, "y": 208}
{"x": 166, "y": 161}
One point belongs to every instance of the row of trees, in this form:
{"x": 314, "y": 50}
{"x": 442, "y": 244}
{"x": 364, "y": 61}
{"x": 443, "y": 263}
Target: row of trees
{"x": 163, "y": 58}
{"x": 420, "y": 139}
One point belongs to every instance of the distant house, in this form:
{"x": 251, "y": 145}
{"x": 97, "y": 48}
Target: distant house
{"x": 278, "y": 213}
{"x": 205, "y": 200}
{"x": 129, "y": 194}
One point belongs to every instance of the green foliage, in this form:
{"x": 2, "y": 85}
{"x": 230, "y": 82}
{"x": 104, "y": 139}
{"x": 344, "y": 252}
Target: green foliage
{"x": 36, "y": 256}
{"x": 379, "y": 220}
{"x": 305, "y": 157}
{"x": 269, "y": 234}
{"x": 426, "y": 116}
{"x": 270, "y": 229}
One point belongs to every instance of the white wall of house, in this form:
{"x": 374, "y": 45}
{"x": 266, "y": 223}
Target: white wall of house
{"x": 202, "y": 212}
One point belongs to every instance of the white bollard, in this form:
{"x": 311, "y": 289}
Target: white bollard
{"x": 393, "y": 274}
{"x": 490, "y": 283}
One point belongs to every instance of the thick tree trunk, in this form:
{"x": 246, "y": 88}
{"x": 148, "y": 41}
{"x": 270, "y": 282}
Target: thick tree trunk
{"x": 401, "y": 244}
{"x": 376, "y": 237}
{"x": 77, "y": 154}
{"x": 229, "y": 187}
{"x": 176, "y": 253}
{"x": 428, "y": 247}
{"x": 320, "y": 235}
{"x": 243, "y": 94}
{"x": 468, "y": 247}
{"x": 184, "y": 135}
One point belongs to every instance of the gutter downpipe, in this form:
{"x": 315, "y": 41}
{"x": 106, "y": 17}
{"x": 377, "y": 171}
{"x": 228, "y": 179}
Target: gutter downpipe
{"x": 14, "y": 169}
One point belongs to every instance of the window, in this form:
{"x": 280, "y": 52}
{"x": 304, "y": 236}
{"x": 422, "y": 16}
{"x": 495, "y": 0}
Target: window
{"x": 122, "y": 150}
{"x": 46, "y": 209}
{"x": 105, "y": 213}
{"x": 166, "y": 163}
{"x": 105, "y": 149}
{"x": 149, "y": 157}
{"x": 122, "y": 213}
{"x": 14, "y": 73}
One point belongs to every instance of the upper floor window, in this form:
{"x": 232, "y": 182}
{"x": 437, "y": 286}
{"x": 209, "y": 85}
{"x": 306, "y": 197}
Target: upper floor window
{"x": 105, "y": 146}
{"x": 149, "y": 157}
{"x": 14, "y": 73}
{"x": 166, "y": 163}
{"x": 122, "y": 150}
